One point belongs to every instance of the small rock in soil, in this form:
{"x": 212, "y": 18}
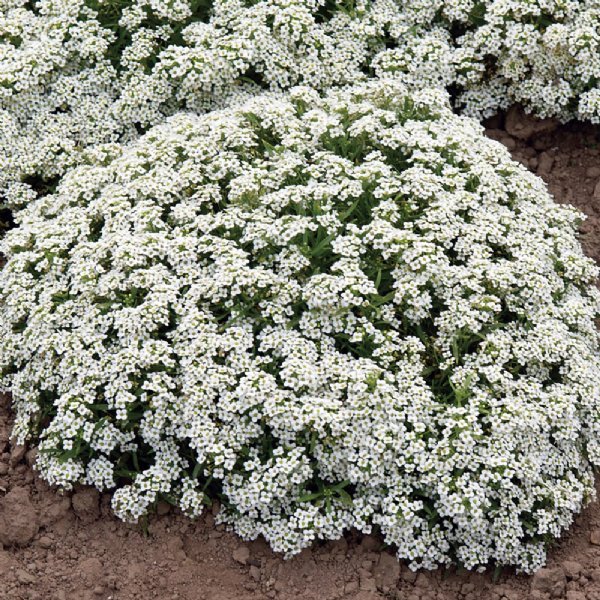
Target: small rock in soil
{"x": 573, "y": 595}
{"x": 255, "y": 573}
{"x": 592, "y": 172}
{"x": 595, "y": 537}
{"x": 241, "y": 554}
{"x": 86, "y": 504}
{"x": 523, "y": 126}
{"x": 572, "y": 569}
{"x": 550, "y": 581}
{"x": 597, "y": 191}
{"x": 17, "y": 454}
{"x": 18, "y": 519}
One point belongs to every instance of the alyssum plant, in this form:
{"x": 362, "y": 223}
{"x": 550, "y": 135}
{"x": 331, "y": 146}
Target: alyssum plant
{"x": 79, "y": 75}
{"x": 544, "y": 54}
{"x": 330, "y": 311}
{"x": 82, "y": 74}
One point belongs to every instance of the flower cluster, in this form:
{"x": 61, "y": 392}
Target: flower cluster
{"x": 79, "y": 76}
{"x": 329, "y": 311}
{"x": 544, "y": 54}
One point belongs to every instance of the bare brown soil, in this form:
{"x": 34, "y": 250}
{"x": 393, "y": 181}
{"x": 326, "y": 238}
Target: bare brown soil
{"x": 70, "y": 547}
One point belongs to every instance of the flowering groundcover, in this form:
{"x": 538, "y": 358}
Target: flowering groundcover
{"x": 76, "y": 75}
{"x": 329, "y": 310}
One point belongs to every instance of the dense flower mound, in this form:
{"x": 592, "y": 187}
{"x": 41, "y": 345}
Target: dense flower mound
{"x": 337, "y": 311}
{"x": 63, "y": 64}
{"x": 82, "y": 75}
{"x": 79, "y": 74}
{"x": 544, "y": 54}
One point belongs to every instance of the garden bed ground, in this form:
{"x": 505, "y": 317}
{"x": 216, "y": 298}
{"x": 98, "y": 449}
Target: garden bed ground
{"x": 72, "y": 548}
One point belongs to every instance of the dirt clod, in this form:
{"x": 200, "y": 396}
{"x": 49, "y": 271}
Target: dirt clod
{"x": 572, "y": 569}
{"x": 17, "y": 453}
{"x": 91, "y": 569}
{"x": 18, "y": 518}
{"x": 407, "y": 575}
{"x": 25, "y": 577}
{"x": 367, "y": 583}
{"x": 241, "y": 554}
{"x": 523, "y": 126}
{"x": 86, "y": 504}
{"x": 551, "y": 581}
{"x": 593, "y": 172}
{"x": 163, "y": 508}
{"x": 31, "y": 456}
{"x": 370, "y": 543}
{"x": 545, "y": 163}
{"x": 508, "y": 142}
{"x": 45, "y": 542}
{"x": 386, "y": 571}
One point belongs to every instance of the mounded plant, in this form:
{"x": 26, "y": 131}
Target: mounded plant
{"x": 544, "y": 54}
{"x": 349, "y": 310}
{"x": 81, "y": 75}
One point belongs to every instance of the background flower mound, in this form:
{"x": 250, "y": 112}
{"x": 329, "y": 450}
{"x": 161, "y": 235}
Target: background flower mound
{"x": 330, "y": 312}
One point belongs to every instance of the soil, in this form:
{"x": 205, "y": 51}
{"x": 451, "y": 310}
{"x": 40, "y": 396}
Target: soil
{"x": 70, "y": 547}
